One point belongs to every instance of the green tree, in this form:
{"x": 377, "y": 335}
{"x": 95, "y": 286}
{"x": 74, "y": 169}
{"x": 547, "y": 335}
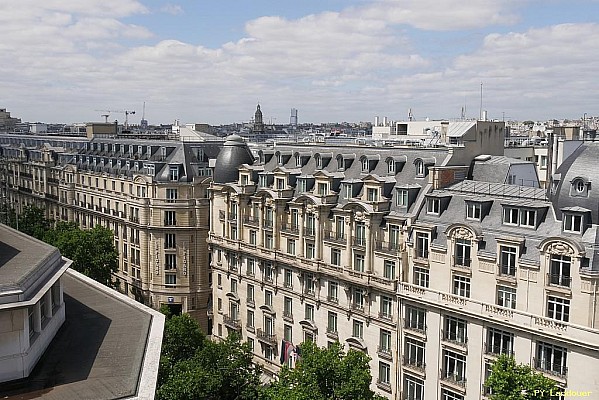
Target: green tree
{"x": 33, "y": 221}
{"x": 193, "y": 367}
{"x": 92, "y": 251}
{"x": 325, "y": 373}
{"x": 511, "y": 381}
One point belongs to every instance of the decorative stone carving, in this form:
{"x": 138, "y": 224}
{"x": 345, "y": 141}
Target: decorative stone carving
{"x": 268, "y": 202}
{"x": 462, "y": 233}
{"x": 310, "y": 208}
{"x": 560, "y": 249}
{"x": 359, "y": 216}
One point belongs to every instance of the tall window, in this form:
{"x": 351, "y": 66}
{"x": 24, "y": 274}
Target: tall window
{"x": 171, "y": 195}
{"x": 360, "y": 238}
{"x": 551, "y": 358}
{"x": 507, "y": 257}
{"x": 309, "y": 312}
{"x": 558, "y": 308}
{"x": 421, "y": 276}
{"x": 455, "y": 329}
{"x": 413, "y": 388}
{"x": 499, "y": 342}
{"x": 333, "y": 290}
{"x": 462, "y": 252}
{"x": 421, "y": 245}
{"x": 288, "y": 280}
{"x": 358, "y": 329}
{"x": 401, "y": 198}
{"x": 339, "y": 227}
{"x": 372, "y": 194}
{"x": 322, "y": 189}
{"x": 332, "y": 322}
{"x": 433, "y": 206}
{"x": 386, "y": 307}
{"x": 473, "y": 211}
{"x": 250, "y": 267}
{"x": 250, "y": 319}
{"x": 268, "y": 298}
{"x": 309, "y": 284}
{"x": 359, "y": 262}
{"x": 454, "y": 366}
{"x": 295, "y": 219}
{"x": 310, "y": 225}
{"x": 384, "y": 373}
{"x": 169, "y": 241}
{"x": 358, "y": 298}
{"x": 173, "y": 172}
{"x": 287, "y": 307}
{"x": 461, "y": 286}
{"x": 573, "y": 223}
{"x": 394, "y": 237}
{"x": 310, "y": 251}
{"x": 415, "y": 318}
{"x": 389, "y": 269}
{"x": 506, "y": 296}
{"x": 250, "y": 294}
{"x": 336, "y": 257}
{"x": 510, "y": 216}
{"x": 414, "y": 353}
{"x": 291, "y": 246}
{"x": 560, "y": 270}
{"x": 253, "y": 236}
{"x": 170, "y": 218}
{"x": 170, "y": 261}
{"x": 385, "y": 341}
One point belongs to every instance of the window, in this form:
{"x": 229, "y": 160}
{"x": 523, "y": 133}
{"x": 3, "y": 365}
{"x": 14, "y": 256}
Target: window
{"x": 309, "y": 312}
{"x": 372, "y": 194}
{"x": 336, "y": 257}
{"x": 170, "y": 261}
{"x": 302, "y": 185}
{"x": 385, "y": 341}
{"x": 455, "y": 330}
{"x": 560, "y": 270}
{"x": 358, "y": 329}
{"x": 386, "y": 307}
{"x": 268, "y": 272}
{"x": 340, "y": 228}
{"x": 268, "y": 241}
{"x": 433, "y": 206}
{"x": 506, "y": 296}
{"x": 364, "y": 164}
{"x": 332, "y": 322}
{"x": 280, "y": 183}
{"x": 391, "y": 166}
{"x": 413, "y": 388}
{"x": 359, "y": 262}
{"x": 268, "y": 353}
{"x": 308, "y": 336}
{"x": 173, "y": 172}
{"x": 415, "y": 318}
{"x": 414, "y": 354}
{"x": 250, "y": 267}
{"x": 510, "y": 216}
{"x": 528, "y": 218}
{"x": 360, "y": 239}
{"x": 171, "y": 195}
{"x": 462, "y": 253}
{"x": 291, "y": 246}
{"x": 573, "y": 223}
{"x": 268, "y": 217}
{"x": 262, "y": 181}
{"x": 461, "y": 286}
{"x": 348, "y": 192}
{"x": 421, "y": 245}
{"x": 288, "y": 279}
{"x": 420, "y": 170}
{"x": 288, "y": 333}
{"x": 309, "y": 284}
{"x": 579, "y": 185}
{"x": 250, "y": 294}
{"x": 447, "y": 394}
{"x": 332, "y": 294}
{"x": 169, "y": 241}
{"x": 170, "y": 218}
{"x": 473, "y": 211}
{"x": 233, "y": 286}
{"x": 310, "y": 251}
{"x": 310, "y": 225}
{"x": 268, "y": 298}
{"x": 551, "y": 358}
{"x": 507, "y": 259}
{"x": 454, "y": 367}
{"x": 250, "y": 319}
{"x": 253, "y": 237}
{"x": 394, "y": 232}
{"x": 401, "y": 198}
{"x": 295, "y": 219}
{"x": 499, "y": 342}
{"x": 389, "y": 269}
{"x": 421, "y": 276}
{"x": 288, "y": 307}
{"x": 558, "y": 308}
{"x": 322, "y": 189}
{"x": 358, "y": 299}
{"x": 170, "y": 279}
{"x": 384, "y": 373}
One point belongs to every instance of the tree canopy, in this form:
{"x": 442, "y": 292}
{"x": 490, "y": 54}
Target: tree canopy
{"x": 194, "y": 367}
{"x": 325, "y": 373}
{"x": 33, "y": 221}
{"x": 511, "y": 381}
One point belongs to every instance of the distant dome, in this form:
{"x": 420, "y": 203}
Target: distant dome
{"x": 233, "y": 154}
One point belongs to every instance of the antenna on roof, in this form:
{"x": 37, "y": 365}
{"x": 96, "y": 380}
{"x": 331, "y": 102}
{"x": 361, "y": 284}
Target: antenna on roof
{"x": 480, "y": 115}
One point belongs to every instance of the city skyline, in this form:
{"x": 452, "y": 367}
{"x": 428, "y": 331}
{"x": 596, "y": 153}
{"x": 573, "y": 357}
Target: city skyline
{"x": 332, "y": 60}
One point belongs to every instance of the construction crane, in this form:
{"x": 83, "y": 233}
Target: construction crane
{"x": 126, "y": 112}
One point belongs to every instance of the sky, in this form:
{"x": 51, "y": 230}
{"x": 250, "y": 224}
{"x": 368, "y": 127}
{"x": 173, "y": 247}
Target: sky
{"x": 206, "y": 61}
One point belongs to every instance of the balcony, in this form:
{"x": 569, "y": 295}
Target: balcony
{"x": 357, "y": 307}
{"x": 333, "y": 299}
{"x": 386, "y": 316}
{"x": 293, "y": 229}
{"x": 251, "y": 221}
{"x": 266, "y": 337}
{"x": 231, "y": 322}
{"x": 250, "y": 302}
{"x": 288, "y": 316}
{"x": 332, "y": 333}
{"x": 454, "y": 379}
{"x": 309, "y": 231}
{"x": 499, "y": 349}
{"x": 384, "y": 352}
{"x": 416, "y": 326}
{"x": 170, "y": 222}
{"x": 559, "y": 280}
{"x": 462, "y": 262}
{"x": 555, "y": 369}
{"x": 335, "y": 237}
{"x": 414, "y": 363}
{"x": 387, "y": 247}
{"x": 359, "y": 241}
{"x": 267, "y": 224}
{"x": 455, "y": 338}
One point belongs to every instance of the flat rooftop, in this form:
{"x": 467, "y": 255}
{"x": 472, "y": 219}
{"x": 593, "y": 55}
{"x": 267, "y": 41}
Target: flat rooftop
{"x": 107, "y": 348}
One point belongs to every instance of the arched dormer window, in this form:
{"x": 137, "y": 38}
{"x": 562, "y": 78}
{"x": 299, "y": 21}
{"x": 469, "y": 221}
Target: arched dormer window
{"x": 340, "y": 162}
{"x": 391, "y": 166}
{"x": 580, "y": 187}
{"x": 318, "y": 160}
{"x": 420, "y": 170}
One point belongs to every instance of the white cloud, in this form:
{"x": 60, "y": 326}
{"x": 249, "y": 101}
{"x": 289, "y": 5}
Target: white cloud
{"x": 173, "y": 9}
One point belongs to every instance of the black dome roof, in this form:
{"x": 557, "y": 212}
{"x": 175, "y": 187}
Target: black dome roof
{"x": 233, "y": 153}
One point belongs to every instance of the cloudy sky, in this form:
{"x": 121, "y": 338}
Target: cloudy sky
{"x": 334, "y": 60}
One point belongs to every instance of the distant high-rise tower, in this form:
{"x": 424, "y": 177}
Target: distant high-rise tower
{"x": 258, "y": 124}
{"x": 293, "y": 117}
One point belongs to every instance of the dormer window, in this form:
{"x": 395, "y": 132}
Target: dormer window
{"x": 364, "y": 164}
{"x": 280, "y": 183}
{"x": 433, "y": 206}
{"x": 244, "y": 179}
{"x": 340, "y": 163}
{"x": 173, "y": 172}
{"x": 301, "y": 185}
{"x": 391, "y": 167}
{"x": 473, "y": 211}
{"x": 318, "y": 161}
{"x": 420, "y": 168}
{"x": 298, "y": 160}
{"x": 580, "y": 187}
{"x": 401, "y": 197}
{"x": 263, "y": 181}
{"x": 573, "y": 223}
{"x": 323, "y": 189}
{"x": 520, "y": 217}
{"x": 127, "y": 164}
{"x": 348, "y": 191}
{"x": 372, "y": 194}
{"x": 279, "y": 159}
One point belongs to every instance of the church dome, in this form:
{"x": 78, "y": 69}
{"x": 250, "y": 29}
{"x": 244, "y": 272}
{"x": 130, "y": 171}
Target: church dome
{"x": 233, "y": 154}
